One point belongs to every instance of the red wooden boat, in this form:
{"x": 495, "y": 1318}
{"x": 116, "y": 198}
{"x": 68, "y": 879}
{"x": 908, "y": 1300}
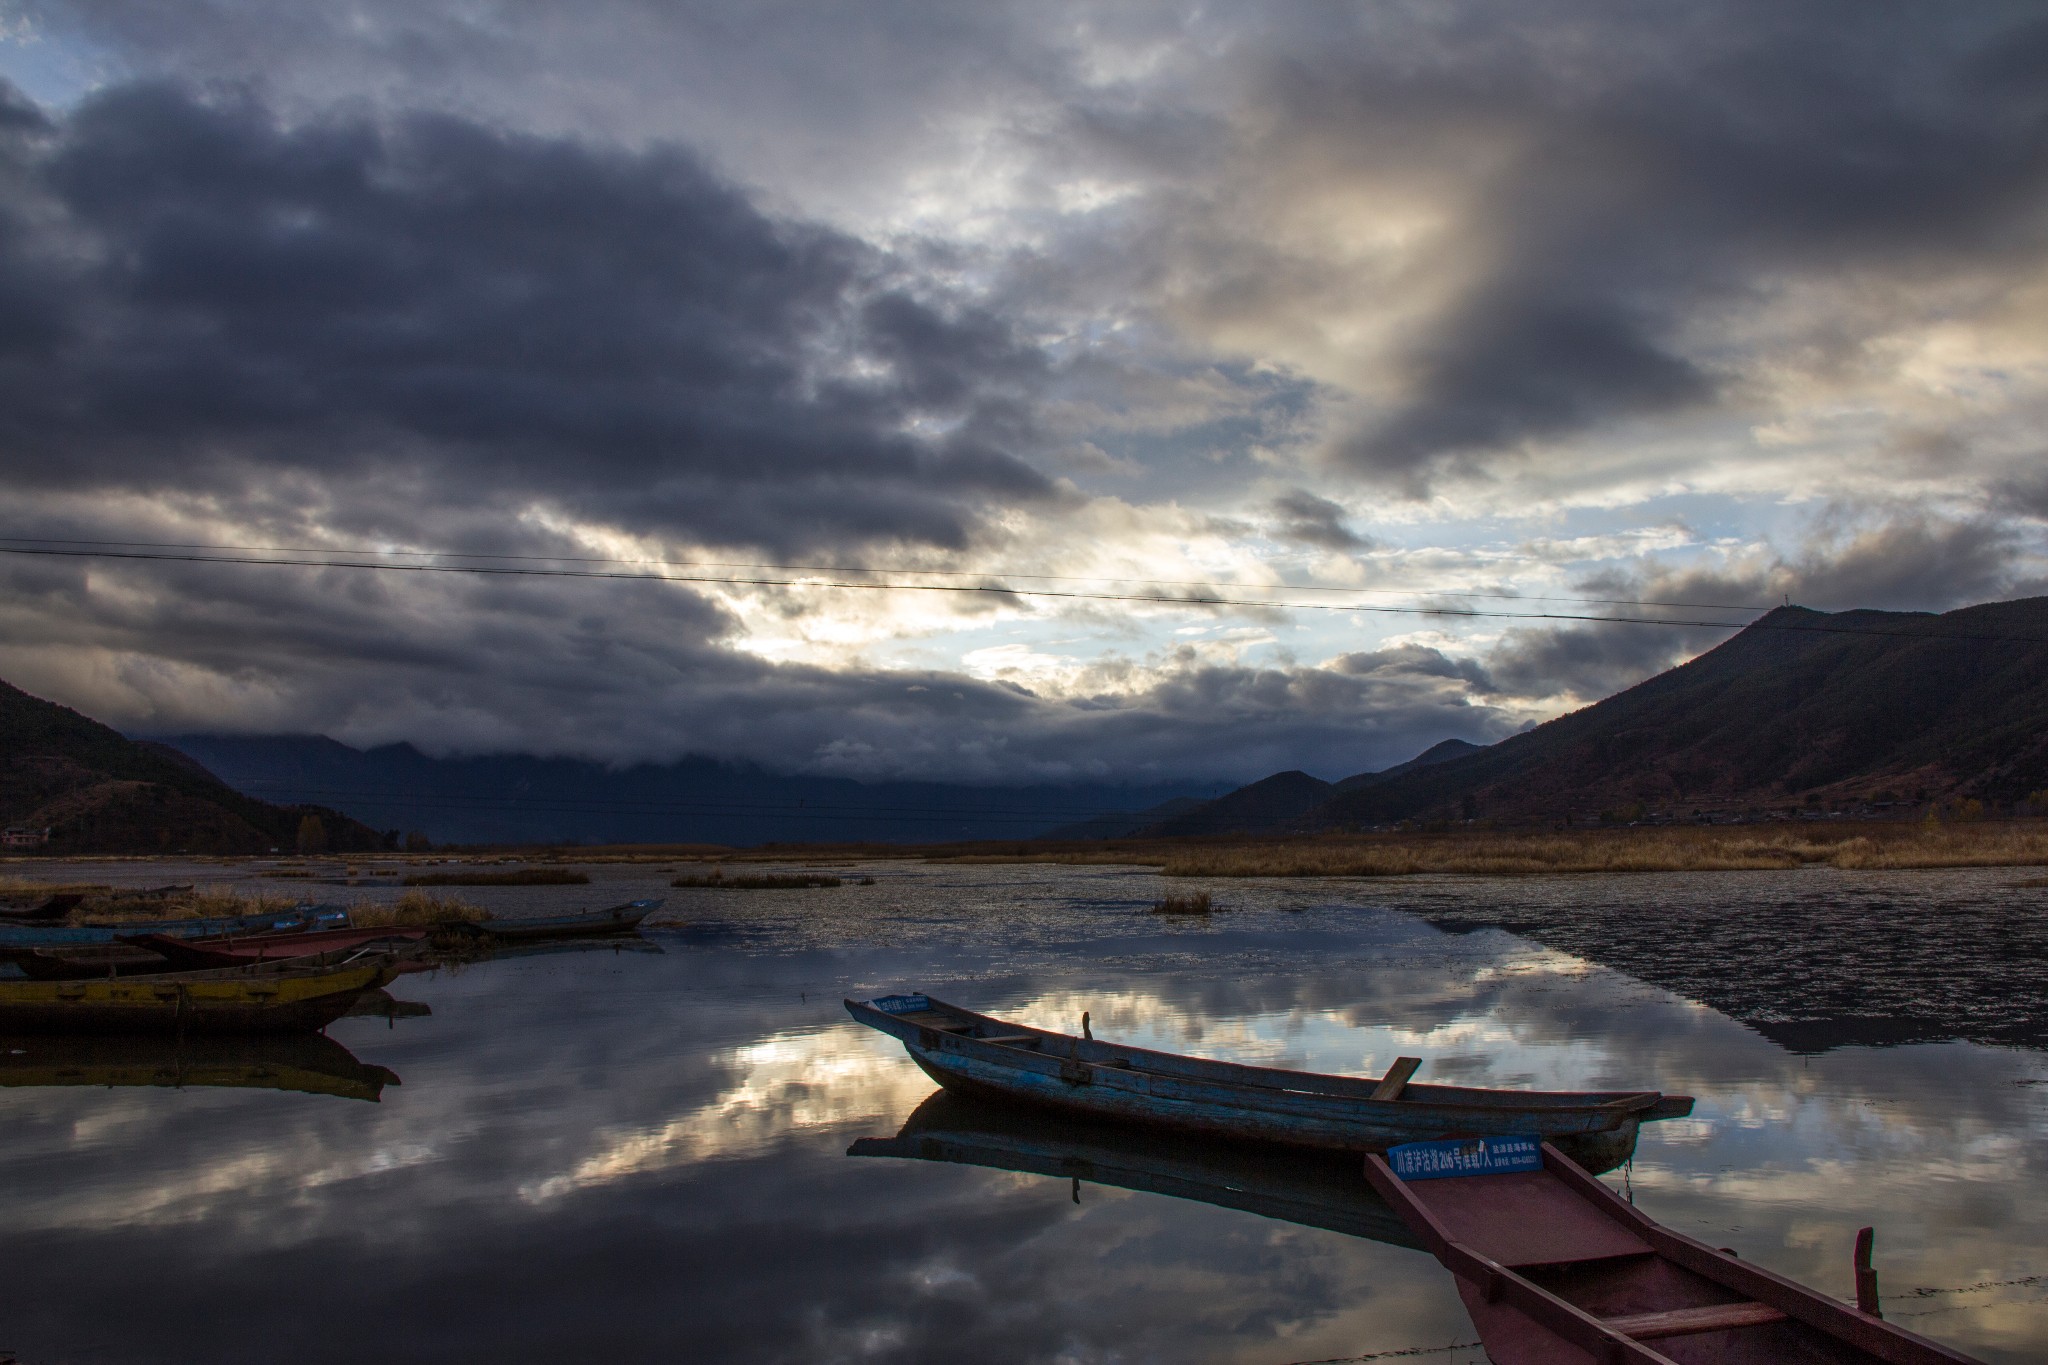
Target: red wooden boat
{"x": 1556, "y": 1269}
{"x": 194, "y": 954}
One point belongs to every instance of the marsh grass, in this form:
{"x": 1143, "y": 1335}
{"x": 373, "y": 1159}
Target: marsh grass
{"x": 25, "y": 888}
{"x": 522, "y": 876}
{"x": 417, "y": 908}
{"x": 1726, "y": 849}
{"x": 1195, "y": 903}
{"x": 763, "y": 881}
{"x": 218, "y": 901}
{"x": 113, "y": 905}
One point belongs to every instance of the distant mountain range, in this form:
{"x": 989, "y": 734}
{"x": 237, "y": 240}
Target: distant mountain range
{"x": 93, "y": 790}
{"x": 1802, "y": 708}
{"x": 1285, "y": 798}
{"x": 521, "y": 799}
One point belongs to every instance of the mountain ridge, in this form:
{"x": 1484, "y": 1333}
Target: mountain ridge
{"x": 524, "y": 799}
{"x": 1859, "y": 706}
{"x": 97, "y": 791}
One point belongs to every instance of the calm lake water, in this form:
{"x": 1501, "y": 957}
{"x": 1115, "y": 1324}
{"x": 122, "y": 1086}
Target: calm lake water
{"x": 642, "y": 1155}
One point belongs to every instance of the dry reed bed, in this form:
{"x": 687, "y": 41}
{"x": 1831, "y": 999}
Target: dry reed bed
{"x": 1694, "y": 850}
{"x": 112, "y": 905}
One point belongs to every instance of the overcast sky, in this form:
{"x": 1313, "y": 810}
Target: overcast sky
{"x": 1531, "y": 308}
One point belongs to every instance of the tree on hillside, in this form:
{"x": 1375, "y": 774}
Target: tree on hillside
{"x": 312, "y": 835}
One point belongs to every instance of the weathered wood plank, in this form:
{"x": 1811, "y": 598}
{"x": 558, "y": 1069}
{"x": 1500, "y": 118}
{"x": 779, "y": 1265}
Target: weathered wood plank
{"x": 1396, "y": 1080}
{"x": 1685, "y": 1322}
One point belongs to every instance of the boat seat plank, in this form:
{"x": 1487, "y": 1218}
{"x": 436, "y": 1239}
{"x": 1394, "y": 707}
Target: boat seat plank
{"x": 1396, "y": 1080}
{"x": 1525, "y": 1218}
{"x": 1685, "y": 1322}
{"x": 1008, "y": 1038}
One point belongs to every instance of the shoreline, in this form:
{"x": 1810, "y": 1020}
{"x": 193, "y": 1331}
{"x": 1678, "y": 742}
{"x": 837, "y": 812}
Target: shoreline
{"x": 1849, "y": 845}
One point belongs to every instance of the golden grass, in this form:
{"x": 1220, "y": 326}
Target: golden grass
{"x": 415, "y": 908}
{"x": 24, "y": 888}
{"x": 1709, "y": 849}
{"x": 202, "y": 902}
{"x": 110, "y": 905}
{"x": 1195, "y": 904}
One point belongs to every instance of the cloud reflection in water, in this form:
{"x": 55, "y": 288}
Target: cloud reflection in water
{"x": 642, "y": 1157}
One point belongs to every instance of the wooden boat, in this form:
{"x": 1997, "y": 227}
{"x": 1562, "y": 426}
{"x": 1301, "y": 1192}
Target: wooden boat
{"x": 1556, "y": 1269}
{"x": 1314, "y": 1189}
{"x": 53, "y": 908}
{"x": 978, "y": 1055}
{"x": 66, "y": 962}
{"x": 266, "y": 997}
{"x": 194, "y": 954}
{"x": 310, "y": 1063}
{"x": 619, "y": 919}
{"x": 52, "y": 935}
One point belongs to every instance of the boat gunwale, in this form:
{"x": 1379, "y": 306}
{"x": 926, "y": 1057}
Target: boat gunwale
{"x": 1579, "y": 1327}
{"x": 609, "y": 917}
{"x": 1264, "y": 1083}
{"x": 206, "y": 986}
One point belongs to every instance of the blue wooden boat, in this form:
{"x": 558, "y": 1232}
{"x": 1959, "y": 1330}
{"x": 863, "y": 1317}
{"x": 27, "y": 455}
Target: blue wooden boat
{"x": 619, "y": 919}
{"x": 974, "y": 1054}
{"x": 300, "y": 917}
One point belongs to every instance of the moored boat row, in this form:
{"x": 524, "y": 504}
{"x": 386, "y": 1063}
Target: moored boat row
{"x": 264, "y": 997}
{"x": 252, "y": 974}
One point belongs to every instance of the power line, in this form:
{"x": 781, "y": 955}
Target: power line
{"x": 1005, "y": 590}
{"x": 861, "y": 569}
{"x": 978, "y": 589}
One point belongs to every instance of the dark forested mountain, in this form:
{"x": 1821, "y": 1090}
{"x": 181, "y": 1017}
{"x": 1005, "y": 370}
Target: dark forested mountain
{"x": 1836, "y": 708}
{"x": 1442, "y": 752}
{"x": 1282, "y": 802}
{"x": 1270, "y": 804}
{"x": 97, "y": 791}
{"x": 522, "y": 799}
{"x": 1123, "y": 824}
{"x": 1803, "y": 707}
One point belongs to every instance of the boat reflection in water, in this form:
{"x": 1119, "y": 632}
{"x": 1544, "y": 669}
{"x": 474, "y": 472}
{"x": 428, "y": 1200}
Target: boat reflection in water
{"x": 1316, "y": 1189}
{"x": 310, "y": 1063}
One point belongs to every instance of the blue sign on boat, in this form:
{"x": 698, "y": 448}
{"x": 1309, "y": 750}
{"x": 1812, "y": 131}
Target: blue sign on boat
{"x": 1465, "y": 1156}
{"x": 902, "y": 1004}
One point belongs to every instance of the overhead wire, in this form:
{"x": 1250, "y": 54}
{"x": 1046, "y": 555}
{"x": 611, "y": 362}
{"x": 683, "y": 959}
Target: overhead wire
{"x": 755, "y": 566}
{"x": 58, "y": 550}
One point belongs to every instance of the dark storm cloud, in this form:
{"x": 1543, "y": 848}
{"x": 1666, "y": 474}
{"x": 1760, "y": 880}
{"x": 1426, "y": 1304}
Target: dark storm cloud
{"x": 1316, "y": 521}
{"x": 1589, "y": 662}
{"x": 1667, "y": 181}
{"x": 1913, "y": 563}
{"x": 214, "y": 302}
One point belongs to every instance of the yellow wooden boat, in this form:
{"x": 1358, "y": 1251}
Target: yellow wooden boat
{"x": 269, "y": 997}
